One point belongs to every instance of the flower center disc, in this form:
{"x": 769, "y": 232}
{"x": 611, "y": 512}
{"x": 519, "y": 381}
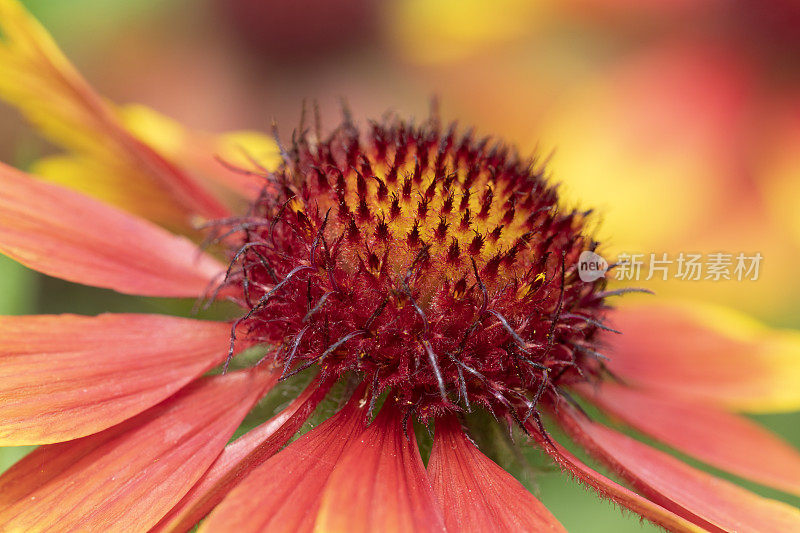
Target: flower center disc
{"x": 426, "y": 261}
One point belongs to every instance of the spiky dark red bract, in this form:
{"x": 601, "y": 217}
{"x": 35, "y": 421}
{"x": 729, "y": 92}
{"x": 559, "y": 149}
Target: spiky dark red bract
{"x": 424, "y": 261}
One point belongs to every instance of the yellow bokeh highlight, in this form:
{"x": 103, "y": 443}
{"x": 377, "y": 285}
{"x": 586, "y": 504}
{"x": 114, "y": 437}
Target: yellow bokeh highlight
{"x": 650, "y": 188}
{"x": 780, "y": 168}
{"x": 436, "y": 31}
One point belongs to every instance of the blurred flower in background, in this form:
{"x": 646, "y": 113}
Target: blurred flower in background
{"x": 679, "y": 121}
{"x": 300, "y": 32}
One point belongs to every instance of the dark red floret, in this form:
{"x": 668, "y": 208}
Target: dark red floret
{"x": 423, "y": 261}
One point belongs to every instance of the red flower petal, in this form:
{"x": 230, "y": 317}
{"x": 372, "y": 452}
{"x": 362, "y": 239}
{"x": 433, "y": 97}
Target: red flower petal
{"x": 615, "y": 492}
{"x": 283, "y": 494}
{"x": 477, "y": 495}
{"x": 65, "y": 234}
{"x": 721, "y": 439}
{"x": 699, "y": 497}
{"x": 67, "y": 376}
{"x": 239, "y": 458}
{"x": 40, "y": 80}
{"x": 380, "y": 483}
{"x": 130, "y": 475}
{"x": 706, "y": 353}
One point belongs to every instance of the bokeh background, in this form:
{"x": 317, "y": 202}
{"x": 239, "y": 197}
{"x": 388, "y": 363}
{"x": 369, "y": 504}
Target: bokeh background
{"x": 678, "y": 120}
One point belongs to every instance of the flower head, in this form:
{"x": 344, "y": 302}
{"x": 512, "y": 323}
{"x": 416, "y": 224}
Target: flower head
{"x": 419, "y": 273}
{"x": 434, "y": 265}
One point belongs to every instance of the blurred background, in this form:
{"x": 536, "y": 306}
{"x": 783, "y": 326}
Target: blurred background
{"x": 678, "y": 120}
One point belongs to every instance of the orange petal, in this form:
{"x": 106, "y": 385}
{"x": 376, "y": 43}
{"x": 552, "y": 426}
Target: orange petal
{"x": 380, "y": 483}
{"x": 113, "y": 183}
{"x": 239, "y": 458}
{"x": 615, "y": 492}
{"x": 128, "y": 476}
{"x": 65, "y": 234}
{"x": 477, "y": 495}
{"x": 40, "y": 80}
{"x": 701, "y": 498}
{"x": 283, "y": 494}
{"x": 706, "y": 353}
{"x": 721, "y": 439}
{"x": 234, "y": 162}
{"x": 67, "y": 376}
